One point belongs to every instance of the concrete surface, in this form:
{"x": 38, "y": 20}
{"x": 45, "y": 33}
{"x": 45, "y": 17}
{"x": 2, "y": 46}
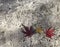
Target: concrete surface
{"x": 44, "y": 13}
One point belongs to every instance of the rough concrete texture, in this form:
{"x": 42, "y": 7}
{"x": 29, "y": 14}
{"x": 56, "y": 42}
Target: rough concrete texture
{"x": 44, "y": 13}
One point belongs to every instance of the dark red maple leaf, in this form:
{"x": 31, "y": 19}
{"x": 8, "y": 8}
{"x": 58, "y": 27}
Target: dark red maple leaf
{"x": 49, "y": 32}
{"x": 28, "y": 31}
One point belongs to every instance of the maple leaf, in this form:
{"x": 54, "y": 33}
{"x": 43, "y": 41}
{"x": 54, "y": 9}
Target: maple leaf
{"x": 49, "y": 32}
{"x": 28, "y": 31}
{"x": 39, "y": 30}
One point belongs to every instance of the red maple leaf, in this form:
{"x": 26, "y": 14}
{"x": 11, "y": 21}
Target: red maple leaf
{"x": 49, "y": 32}
{"x": 28, "y": 31}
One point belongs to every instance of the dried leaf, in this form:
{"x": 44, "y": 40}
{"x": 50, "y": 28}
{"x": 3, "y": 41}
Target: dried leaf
{"x": 39, "y": 30}
{"x": 28, "y": 31}
{"x": 49, "y": 32}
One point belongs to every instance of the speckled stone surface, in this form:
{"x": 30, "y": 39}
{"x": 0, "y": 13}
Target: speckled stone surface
{"x": 44, "y": 13}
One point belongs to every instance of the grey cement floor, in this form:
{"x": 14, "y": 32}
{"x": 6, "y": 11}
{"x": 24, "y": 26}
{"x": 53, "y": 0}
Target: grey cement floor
{"x": 44, "y": 13}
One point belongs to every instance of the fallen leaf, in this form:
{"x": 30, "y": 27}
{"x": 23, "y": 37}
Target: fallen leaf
{"x": 50, "y": 32}
{"x": 39, "y": 30}
{"x": 28, "y": 31}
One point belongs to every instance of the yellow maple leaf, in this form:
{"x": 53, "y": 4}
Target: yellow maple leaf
{"x": 39, "y": 30}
